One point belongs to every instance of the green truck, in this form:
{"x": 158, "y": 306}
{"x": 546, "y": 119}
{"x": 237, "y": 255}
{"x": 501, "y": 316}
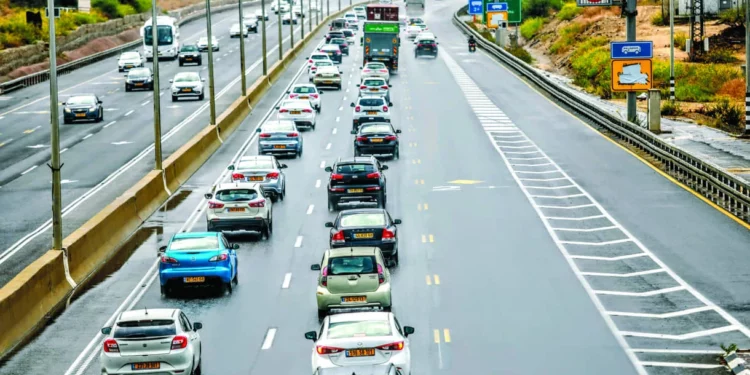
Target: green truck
{"x": 381, "y": 35}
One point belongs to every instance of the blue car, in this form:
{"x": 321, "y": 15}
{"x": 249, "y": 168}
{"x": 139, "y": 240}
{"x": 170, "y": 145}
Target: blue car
{"x": 198, "y": 259}
{"x": 279, "y": 137}
{"x": 83, "y": 107}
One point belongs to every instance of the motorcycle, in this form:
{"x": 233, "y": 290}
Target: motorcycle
{"x": 472, "y": 47}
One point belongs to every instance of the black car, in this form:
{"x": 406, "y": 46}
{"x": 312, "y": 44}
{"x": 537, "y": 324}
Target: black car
{"x": 367, "y": 227}
{"x": 83, "y": 107}
{"x": 140, "y": 78}
{"x": 357, "y": 179}
{"x": 376, "y": 138}
{"x": 343, "y": 45}
{"x": 190, "y": 54}
{"x": 426, "y": 47}
{"x": 334, "y": 52}
{"x": 334, "y": 34}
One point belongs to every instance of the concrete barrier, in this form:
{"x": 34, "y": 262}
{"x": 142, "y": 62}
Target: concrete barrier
{"x": 42, "y": 286}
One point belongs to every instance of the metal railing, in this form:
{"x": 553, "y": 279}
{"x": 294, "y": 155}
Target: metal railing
{"x": 722, "y": 188}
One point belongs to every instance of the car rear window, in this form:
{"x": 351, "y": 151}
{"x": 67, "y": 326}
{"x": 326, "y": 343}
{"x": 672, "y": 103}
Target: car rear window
{"x": 304, "y": 90}
{"x": 352, "y": 265}
{"x": 362, "y": 220}
{"x": 336, "y": 34}
{"x": 236, "y": 195}
{"x": 82, "y": 100}
{"x": 323, "y": 63}
{"x": 194, "y": 243}
{"x": 355, "y": 168}
{"x": 375, "y": 66}
{"x": 338, "y": 41}
{"x": 371, "y": 102}
{"x": 189, "y": 48}
{"x": 374, "y": 82}
{"x": 139, "y": 73}
{"x": 366, "y": 328}
{"x": 187, "y": 77}
{"x": 145, "y": 328}
{"x": 319, "y": 57}
{"x": 348, "y": 33}
{"x": 130, "y": 55}
{"x": 426, "y": 41}
{"x": 256, "y": 164}
{"x": 372, "y": 129}
{"x": 278, "y": 127}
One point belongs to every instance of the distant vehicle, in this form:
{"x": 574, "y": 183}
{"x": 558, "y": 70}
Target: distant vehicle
{"x": 338, "y": 24}
{"x": 141, "y": 78}
{"x": 306, "y": 91}
{"x": 370, "y": 108}
{"x": 317, "y": 56}
{"x": 238, "y": 206}
{"x": 129, "y": 60}
{"x": 299, "y": 111}
{"x": 351, "y": 18}
{"x": 375, "y": 87}
{"x": 199, "y": 259}
{"x": 342, "y": 43}
{"x": 279, "y": 137}
{"x": 357, "y": 180}
{"x": 189, "y": 54}
{"x": 365, "y": 227}
{"x": 263, "y": 169}
{"x": 335, "y": 34}
{"x": 236, "y": 30}
{"x": 317, "y": 65}
{"x": 203, "y": 43}
{"x": 333, "y": 51}
{"x": 349, "y": 35}
{"x": 376, "y": 70}
{"x": 259, "y": 14}
{"x": 425, "y": 47}
{"x": 251, "y": 23}
{"x": 375, "y": 138}
{"x": 328, "y": 76}
{"x": 83, "y": 107}
{"x": 167, "y": 37}
{"x": 288, "y": 18}
{"x": 187, "y": 84}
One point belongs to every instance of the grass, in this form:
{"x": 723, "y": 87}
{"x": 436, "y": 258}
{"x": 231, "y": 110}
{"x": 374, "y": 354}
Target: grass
{"x": 520, "y": 53}
{"x": 15, "y": 32}
{"x": 679, "y": 40}
{"x": 657, "y": 19}
{"x": 568, "y": 37}
{"x": 531, "y": 27}
{"x": 568, "y": 12}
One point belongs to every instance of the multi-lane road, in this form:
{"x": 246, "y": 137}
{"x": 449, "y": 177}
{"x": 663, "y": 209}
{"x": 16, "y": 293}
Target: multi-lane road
{"x": 530, "y": 243}
{"x": 101, "y": 160}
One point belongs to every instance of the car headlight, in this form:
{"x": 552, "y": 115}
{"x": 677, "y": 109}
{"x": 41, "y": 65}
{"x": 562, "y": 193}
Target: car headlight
{"x": 67, "y": 110}
{"x": 92, "y": 109}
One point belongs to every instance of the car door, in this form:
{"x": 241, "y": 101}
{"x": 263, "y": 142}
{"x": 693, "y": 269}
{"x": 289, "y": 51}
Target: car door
{"x": 195, "y": 338}
{"x": 406, "y": 339}
{"x": 269, "y": 203}
{"x": 382, "y": 175}
{"x": 232, "y": 253}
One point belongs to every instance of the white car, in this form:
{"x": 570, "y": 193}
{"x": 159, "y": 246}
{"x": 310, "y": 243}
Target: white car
{"x": 375, "y": 87}
{"x": 187, "y": 84}
{"x": 370, "y": 109}
{"x": 259, "y": 14}
{"x": 299, "y": 111}
{"x": 203, "y": 43}
{"x": 317, "y": 56}
{"x": 349, "y": 36}
{"x": 412, "y": 31}
{"x": 316, "y": 66}
{"x": 240, "y": 206}
{"x": 236, "y": 30}
{"x": 329, "y": 76}
{"x": 151, "y": 340}
{"x": 424, "y": 35}
{"x": 284, "y": 7}
{"x": 289, "y": 17}
{"x": 352, "y": 19}
{"x": 360, "y": 11}
{"x": 129, "y": 60}
{"x": 361, "y": 338}
{"x": 376, "y": 70}
{"x": 306, "y": 91}
{"x": 297, "y": 10}
{"x": 251, "y": 23}
{"x": 314, "y": 6}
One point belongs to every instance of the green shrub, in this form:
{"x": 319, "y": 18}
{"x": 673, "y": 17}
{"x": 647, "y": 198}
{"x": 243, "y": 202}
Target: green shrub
{"x": 591, "y": 68}
{"x": 531, "y": 27}
{"x": 726, "y": 114}
{"x": 15, "y": 32}
{"x": 679, "y": 40}
{"x": 539, "y": 8}
{"x": 141, "y": 6}
{"x": 568, "y": 37}
{"x": 126, "y": 10}
{"x": 568, "y": 12}
{"x": 110, "y": 8}
{"x": 671, "y": 109}
{"x": 733, "y": 17}
{"x": 657, "y": 19}
{"x": 719, "y": 56}
{"x": 521, "y": 53}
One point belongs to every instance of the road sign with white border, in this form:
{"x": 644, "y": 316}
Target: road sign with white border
{"x": 497, "y": 7}
{"x": 475, "y": 6}
{"x": 631, "y": 50}
{"x": 631, "y": 75}
{"x": 594, "y": 3}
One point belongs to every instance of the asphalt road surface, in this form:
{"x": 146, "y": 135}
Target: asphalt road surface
{"x": 530, "y": 243}
{"x": 101, "y": 160}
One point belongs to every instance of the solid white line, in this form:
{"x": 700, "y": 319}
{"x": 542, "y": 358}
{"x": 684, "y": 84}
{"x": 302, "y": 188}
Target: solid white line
{"x": 605, "y": 243}
{"x": 639, "y": 294}
{"x": 609, "y": 259}
{"x": 680, "y": 365}
{"x": 328, "y": 146}
{"x": 557, "y": 197}
{"x": 147, "y": 101}
{"x": 310, "y": 209}
{"x": 287, "y": 281}
{"x": 543, "y": 179}
{"x": 574, "y": 218}
{"x": 341, "y": 108}
{"x": 317, "y": 183}
{"x": 268, "y": 341}
{"x": 28, "y": 170}
{"x": 111, "y": 123}
{"x": 334, "y": 129}
{"x": 567, "y": 207}
{"x": 662, "y": 316}
{"x": 585, "y": 230}
{"x": 686, "y": 336}
{"x": 298, "y": 243}
{"x": 127, "y": 114}
{"x": 337, "y": 120}
{"x": 632, "y": 274}
{"x": 323, "y": 164}
{"x": 88, "y": 136}
{"x": 678, "y": 351}
{"x": 63, "y": 150}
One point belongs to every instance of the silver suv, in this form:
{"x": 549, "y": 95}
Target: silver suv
{"x": 240, "y": 206}
{"x": 263, "y": 169}
{"x": 376, "y": 87}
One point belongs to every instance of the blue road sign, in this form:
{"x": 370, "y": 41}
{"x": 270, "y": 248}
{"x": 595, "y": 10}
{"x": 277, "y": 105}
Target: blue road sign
{"x": 497, "y": 7}
{"x": 475, "y": 6}
{"x": 631, "y": 50}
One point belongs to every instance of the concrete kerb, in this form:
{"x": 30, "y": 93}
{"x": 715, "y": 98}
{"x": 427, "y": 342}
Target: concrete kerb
{"x": 735, "y": 364}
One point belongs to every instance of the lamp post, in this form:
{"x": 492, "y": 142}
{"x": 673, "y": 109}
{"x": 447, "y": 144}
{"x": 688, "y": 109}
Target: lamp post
{"x": 281, "y": 46}
{"x": 263, "y": 43}
{"x": 55, "y": 165}
{"x": 292, "y": 18}
{"x": 157, "y": 98}
{"x": 671, "y": 51}
{"x": 243, "y": 29}
{"x": 211, "y": 98}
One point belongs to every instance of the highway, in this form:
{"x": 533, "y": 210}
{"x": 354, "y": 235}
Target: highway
{"x": 121, "y": 145}
{"x": 530, "y": 244}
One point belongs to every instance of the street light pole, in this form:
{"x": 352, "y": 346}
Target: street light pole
{"x": 281, "y": 46}
{"x": 157, "y": 98}
{"x": 55, "y": 165}
{"x": 630, "y": 36}
{"x": 243, "y": 29}
{"x": 310, "y": 14}
{"x": 263, "y": 48}
{"x": 211, "y": 99}
{"x": 302, "y": 22}
{"x": 671, "y": 51}
{"x": 328, "y": 8}
{"x": 292, "y": 18}
{"x": 318, "y": 5}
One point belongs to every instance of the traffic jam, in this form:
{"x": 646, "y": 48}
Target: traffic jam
{"x": 357, "y": 331}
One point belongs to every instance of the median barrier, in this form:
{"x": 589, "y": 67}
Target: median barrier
{"x": 41, "y": 287}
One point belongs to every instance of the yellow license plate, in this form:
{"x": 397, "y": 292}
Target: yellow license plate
{"x": 360, "y": 353}
{"x": 186, "y": 90}
{"x": 279, "y": 146}
{"x": 236, "y": 209}
{"x": 356, "y": 190}
{"x": 304, "y": 97}
{"x": 188, "y": 59}
{"x": 139, "y": 84}
{"x": 374, "y": 90}
{"x": 329, "y": 82}
{"x": 295, "y": 112}
{"x": 128, "y": 66}
{"x": 372, "y": 113}
{"x": 376, "y": 140}
{"x": 256, "y": 178}
{"x": 195, "y": 279}
{"x": 80, "y": 115}
{"x": 354, "y": 299}
{"x": 364, "y": 235}
{"x": 147, "y": 366}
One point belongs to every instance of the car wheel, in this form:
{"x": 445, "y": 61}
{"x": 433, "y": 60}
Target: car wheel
{"x": 200, "y": 62}
{"x": 101, "y": 116}
{"x": 200, "y": 97}
{"x": 395, "y": 261}
{"x": 66, "y": 121}
{"x": 181, "y": 63}
{"x": 322, "y": 314}
{"x": 236, "y": 279}
{"x": 228, "y": 287}
{"x": 396, "y": 153}
{"x": 164, "y": 291}
{"x": 332, "y": 206}
{"x": 319, "y": 109}
{"x": 127, "y": 88}
{"x": 198, "y": 370}
{"x": 174, "y": 98}
{"x": 283, "y": 193}
{"x": 274, "y": 198}
{"x": 299, "y": 153}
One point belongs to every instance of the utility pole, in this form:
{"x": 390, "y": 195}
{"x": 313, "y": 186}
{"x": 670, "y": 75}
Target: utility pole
{"x": 339, "y": 5}
{"x": 263, "y": 48}
{"x": 318, "y": 5}
{"x": 747, "y": 68}
{"x": 292, "y": 18}
{"x": 328, "y": 8}
{"x": 211, "y": 98}
{"x": 631, "y": 12}
{"x": 281, "y": 46}
{"x": 671, "y": 51}
{"x": 54, "y": 134}
{"x": 243, "y": 30}
{"x": 157, "y": 98}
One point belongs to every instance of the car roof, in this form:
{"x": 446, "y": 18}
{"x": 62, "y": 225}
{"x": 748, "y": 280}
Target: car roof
{"x": 305, "y": 84}
{"x": 195, "y": 234}
{"x": 351, "y": 251}
{"x": 370, "y": 97}
{"x": 256, "y": 157}
{"x": 356, "y": 159}
{"x": 362, "y": 211}
{"x": 330, "y": 46}
{"x": 278, "y": 122}
{"x": 358, "y": 316}
{"x": 81, "y": 94}
{"x": 148, "y": 314}
{"x": 238, "y": 184}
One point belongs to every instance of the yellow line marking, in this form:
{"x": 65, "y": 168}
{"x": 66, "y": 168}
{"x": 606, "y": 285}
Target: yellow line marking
{"x": 417, "y": 161}
{"x": 465, "y": 182}
{"x": 416, "y": 182}
{"x": 436, "y": 334}
{"x": 427, "y": 279}
{"x": 421, "y": 182}
{"x": 2, "y": 144}
{"x": 426, "y": 207}
{"x": 447, "y": 335}
{"x": 413, "y": 144}
{"x": 424, "y": 239}
{"x": 644, "y": 161}
{"x": 432, "y": 239}
{"x": 437, "y": 282}
{"x": 29, "y": 131}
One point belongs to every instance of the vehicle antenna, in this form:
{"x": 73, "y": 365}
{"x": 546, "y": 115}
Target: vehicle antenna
{"x": 145, "y": 309}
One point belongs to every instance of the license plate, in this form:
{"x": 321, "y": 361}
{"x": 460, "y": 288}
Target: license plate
{"x": 364, "y": 235}
{"x": 139, "y": 84}
{"x": 360, "y": 353}
{"x": 356, "y": 190}
{"x": 186, "y": 90}
{"x": 426, "y": 49}
{"x": 80, "y": 115}
{"x": 376, "y": 140}
{"x": 372, "y": 113}
{"x": 236, "y": 209}
{"x": 194, "y": 279}
{"x": 304, "y": 97}
{"x": 374, "y": 90}
{"x": 128, "y": 66}
{"x": 354, "y": 299}
{"x": 147, "y": 366}
{"x": 256, "y": 178}
{"x": 295, "y": 112}
{"x": 328, "y": 82}
{"x": 279, "y": 146}
{"x": 188, "y": 59}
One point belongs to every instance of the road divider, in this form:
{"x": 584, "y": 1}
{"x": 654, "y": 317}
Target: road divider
{"x": 40, "y": 290}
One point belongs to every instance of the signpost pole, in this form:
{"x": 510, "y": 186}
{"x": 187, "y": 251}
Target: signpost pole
{"x": 263, "y": 44}
{"x": 631, "y": 13}
{"x": 55, "y": 166}
{"x": 747, "y": 68}
{"x": 671, "y": 51}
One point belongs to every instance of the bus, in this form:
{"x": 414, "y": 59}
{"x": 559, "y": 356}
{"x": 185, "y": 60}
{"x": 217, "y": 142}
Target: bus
{"x": 167, "y": 37}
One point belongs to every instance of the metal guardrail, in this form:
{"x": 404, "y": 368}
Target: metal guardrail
{"x": 43, "y": 76}
{"x": 720, "y": 187}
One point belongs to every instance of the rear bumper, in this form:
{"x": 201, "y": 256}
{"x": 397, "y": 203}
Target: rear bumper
{"x": 292, "y": 148}
{"x": 181, "y": 94}
{"x": 249, "y": 224}
{"x": 172, "y": 364}
{"x": 73, "y": 117}
{"x": 367, "y": 196}
{"x": 213, "y": 275}
{"x": 370, "y": 149}
{"x": 144, "y": 85}
{"x": 379, "y": 298}
{"x": 388, "y": 249}
{"x": 191, "y": 60}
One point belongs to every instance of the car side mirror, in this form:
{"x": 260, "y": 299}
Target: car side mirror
{"x": 203, "y": 80}
{"x": 398, "y": 131}
{"x": 208, "y": 195}
{"x": 288, "y": 92}
{"x": 390, "y": 85}
{"x": 352, "y": 105}
{"x": 408, "y": 330}
{"x": 390, "y": 104}
{"x": 235, "y": 246}
{"x": 277, "y": 107}
{"x": 384, "y": 167}
{"x": 171, "y": 81}
{"x": 231, "y": 167}
{"x": 312, "y": 335}
{"x": 397, "y": 221}
{"x": 99, "y": 101}
{"x": 354, "y": 132}
{"x": 106, "y": 330}
{"x": 63, "y": 103}
{"x": 328, "y": 169}
{"x": 282, "y": 166}
{"x": 437, "y": 42}
{"x": 162, "y": 249}
{"x": 329, "y": 224}
{"x": 197, "y": 326}
{"x": 315, "y": 267}
{"x": 322, "y": 92}
{"x": 257, "y": 130}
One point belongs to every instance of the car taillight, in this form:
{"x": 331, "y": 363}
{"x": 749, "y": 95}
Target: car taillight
{"x": 238, "y": 176}
{"x": 273, "y": 175}
{"x": 388, "y": 236}
{"x": 373, "y": 175}
{"x": 336, "y": 176}
{"x": 265, "y": 135}
{"x": 390, "y": 138}
{"x": 212, "y": 204}
{"x": 283, "y": 110}
{"x": 258, "y": 204}
{"x": 357, "y": 109}
{"x": 384, "y": 87}
{"x": 327, "y": 350}
{"x": 314, "y": 68}
{"x": 366, "y": 71}
{"x": 292, "y": 135}
{"x": 363, "y": 87}
{"x": 338, "y": 52}
{"x": 385, "y": 108}
{"x": 345, "y": 45}
{"x": 218, "y": 258}
{"x": 179, "y": 342}
{"x": 314, "y": 95}
{"x": 433, "y": 45}
{"x": 292, "y": 96}
{"x": 392, "y": 346}
{"x": 168, "y": 260}
{"x": 381, "y": 275}
{"x": 324, "y": 277}
{"x": 338, "y": 237}
{"x": 310, "y": 61}
{"x": 383, "y": 70}
{"x": 361, "y": 139}
{"x": 110, "y": 346}
{"x": 307, "y": 110}
{"x": 373, "y": 188}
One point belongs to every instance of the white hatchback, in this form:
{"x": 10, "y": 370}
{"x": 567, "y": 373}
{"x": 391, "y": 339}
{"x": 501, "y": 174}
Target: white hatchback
{"x": 306, "y": 91}
{"x": 151, "y": 341}
{"x": 318, "y": 64}
{"x": 299, "y": 111}
{"x": 363, "y": 338}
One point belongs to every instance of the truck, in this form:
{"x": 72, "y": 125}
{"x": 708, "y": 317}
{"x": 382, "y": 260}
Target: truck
{"x": 381, "y": 39}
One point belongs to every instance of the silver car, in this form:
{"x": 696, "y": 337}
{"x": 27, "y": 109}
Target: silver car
{"x": 237, "y": 29}
{"x": 375, "y": 87}
{"x": 329, "y": 76}
{"x": 305, "y": 91}
{"x": 362, "y": 338}
{"x": 316, "y": 65}
{"x": 376, "y": 70}
{"x": 263, "y": 169}
{"x": 279, "y": 137}
{"x": 151, "y": 341}
{"x": 203, "y": 43}
{"x": 187, "y": 84}
{"x": 370, "y": 109}
{"x": 239, "y": 206}
{"x": 412, "y": 31}
{"x": 129, "y": 60}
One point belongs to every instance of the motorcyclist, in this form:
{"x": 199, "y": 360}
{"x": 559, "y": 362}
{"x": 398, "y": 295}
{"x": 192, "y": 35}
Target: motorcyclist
{"x": 472, "y": 42}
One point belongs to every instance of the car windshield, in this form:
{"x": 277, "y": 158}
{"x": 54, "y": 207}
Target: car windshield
{"x": 352, "y": 265}
{"x": 139, "y": 73}
{"x": 355, "y": 168}
{"x": 236, "y": 26}
{"x": 194, "y": 243}
{"x": 426, "y": 41}
{"x": 189, "y": 48}
{"x": 304, "y": 90}
{"x": 373, "y": 129}
{"x": 330, "y": 48}
{"x": 338, "y": 41}
{"x": 374, "y": 82}
{"x": 145, "y": 328}
{"x": 130, "y": 56}
{"x": 371, "y": 102}
{"x": 81, "y": 100}
{"x": 362, "y": 220}
{"x": 319, "y": 57}
{"x": 256, "y": 164}
{"x": 278, "y": 127}
{"x": 236, "y": 195}
{"x": 187, "y": 77}
{"x": 375, "y": 66}
{"x": 365, "y": 328}
{"x": 203, "y": 40}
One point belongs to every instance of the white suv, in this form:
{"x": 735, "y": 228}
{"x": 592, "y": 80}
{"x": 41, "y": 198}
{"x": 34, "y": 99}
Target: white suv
{"x": 154, "y": 340}
{"x": 240, "y": 206}
{"x": 370, "y": 109}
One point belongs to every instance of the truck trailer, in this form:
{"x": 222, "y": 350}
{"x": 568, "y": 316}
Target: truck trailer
{"x": 381, "y": 39}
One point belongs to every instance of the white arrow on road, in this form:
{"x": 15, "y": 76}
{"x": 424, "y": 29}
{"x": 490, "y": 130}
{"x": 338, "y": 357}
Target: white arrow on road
{"x": 37, "y": 146}
{"x": 121, "y": 143}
